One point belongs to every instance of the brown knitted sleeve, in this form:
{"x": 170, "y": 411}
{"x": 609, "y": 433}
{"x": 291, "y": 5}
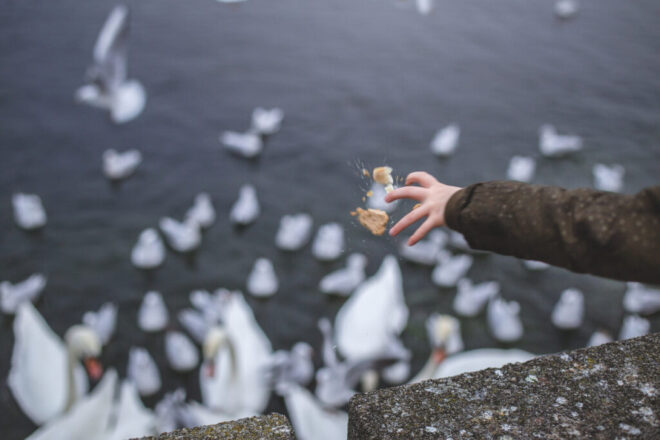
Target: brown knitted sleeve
{"x": 584, "y": 230}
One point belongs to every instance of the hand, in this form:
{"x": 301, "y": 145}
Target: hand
{"x": 433, "y": 197}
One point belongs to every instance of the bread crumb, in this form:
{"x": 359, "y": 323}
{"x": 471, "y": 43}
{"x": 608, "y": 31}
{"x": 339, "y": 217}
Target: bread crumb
{"x": 389, "y": 188}
{"x": 383, "y": 175}
{"x": 365, "y": 172}
{"x": 417, "y": 206}
{"x": 373, "y": 219}
{"x": 369, "y": 194}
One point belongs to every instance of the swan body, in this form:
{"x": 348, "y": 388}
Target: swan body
{"x": 344, "y": 281}
{"x": 182, "y": 236}
{"x": 609, "y": 178}
{"x": 329, "y": 242}
{"x": 480, "y": 359}
{"x": 45, "y": 377}
{"x": 29, "y": 212}
{"x": 503, "y": 320}
{"x": 294, "y": 232}
{"x": 641, "y": 299}
{"x": 181, "y": 352}
{"x": 120, "y": 165}
{"x": 143, "y": 371}
{"x": 633, "y": 327}
{"x": 202, "y": 211}
{"x": 152, "y": 314}
{"x": 247, "y": 144}
{"x": 521, "y": 168}
{"x": 426, "y": 251}
{"x": 262, "y": 281}
{"x": 267, "y": 122}
{"x": 102, "y": 322}
{"x": 310, "y": 420}
{"x": 450, "y": 269}
{"x": 149, "y": 251}
{"x": 196, "y": 414}
{"x": 446, "y": 140}
{"x": 552, "y": 144}
{"x": 599, "y": 337}
{"x": 568, "y": 313}
{"x": 28, "y": 290}
{"x": 373, "y": 315}
{"x": 471, "y": 299}
{"x": 131, "y": 418}
{"x": 246, "y": 209}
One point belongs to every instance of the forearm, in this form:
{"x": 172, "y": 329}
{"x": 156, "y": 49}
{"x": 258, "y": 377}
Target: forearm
{"x": 607, "y": 234}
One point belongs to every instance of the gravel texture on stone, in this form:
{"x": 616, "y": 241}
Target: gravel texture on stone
{"x": 610, "y": 391}
{"x": 271, "y": 427}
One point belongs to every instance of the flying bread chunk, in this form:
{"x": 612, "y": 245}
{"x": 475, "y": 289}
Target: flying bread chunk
{"x": 373, "y": 219}
{"x": 383, "y": 175}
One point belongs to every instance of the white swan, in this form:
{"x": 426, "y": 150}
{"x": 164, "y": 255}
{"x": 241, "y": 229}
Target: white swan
{"x": 107, "y": 86}
{"x": 609, "y": 177}
{"x": 328, "y": 244}
{"x": 450, "y": 268}
{"x": 152, "y": 314}
{"x": 267, "y": 122}
{"x": 599, "y": 337}
{"x": 246, "y": 209}
{"x": 426, "y": 251}
{"x": 149, "y": 251}
{"x": 143, "y": 371}
{"x": 248, "y": 144}
{"x": 373, "y": 315}
{"x": 88, "y": 419}
{"x": 102, "y": 322}
{"x": 45, "y": 376}
{"x": 202, "y": 211}
{"x": 294, "y": 366}
{"x": 181, "y": 352}
{"x": 28, "y": 290}
{"x": 565, "y": 9}
{"x": 633, "y": 327}
{"x": 503, "y": 320}
{"x": 29, "y": 212}
{"x": 182, "y": 236}
{"x": 470, "y": 299}
{"x": 294, "y": 232}
{"x": 552, "y": 144}
{"x": 120, "y": 165}
{"x": 641, "y": 299}
{"x": 232, "y": 381}
{"x": 344, "y": 281}
{"x": 445, "y": 141}
{"x": 262, "y": 281}
{"x": 521, "y": 168}
{"x": 424, "y": 7}
{"x": 568, "y": 313}
{"x": 130, "y": 417}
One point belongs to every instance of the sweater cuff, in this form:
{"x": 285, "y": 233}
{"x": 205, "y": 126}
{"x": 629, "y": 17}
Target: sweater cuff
{"x": 453, "y": 208}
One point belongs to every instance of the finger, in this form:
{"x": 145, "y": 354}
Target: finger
{"x": 421, "y": 231}
{"x": 407, "y": 192}
{"x": 421, "y": 177}
{"x": 407, "y": 220}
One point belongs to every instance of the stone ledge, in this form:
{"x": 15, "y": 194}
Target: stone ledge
{"x": 610, "y": 391}
{"x": 271, "y": 427}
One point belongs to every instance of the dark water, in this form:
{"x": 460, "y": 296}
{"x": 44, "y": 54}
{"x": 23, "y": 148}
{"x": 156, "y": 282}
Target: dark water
{"x": 359, "y": 80}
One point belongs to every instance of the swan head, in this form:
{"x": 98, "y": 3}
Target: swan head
{"x": 444, "y": 333}
{"x": 303, "y": 350}
{"x": 85, "y": 344}
{"x": 216, "y": 339}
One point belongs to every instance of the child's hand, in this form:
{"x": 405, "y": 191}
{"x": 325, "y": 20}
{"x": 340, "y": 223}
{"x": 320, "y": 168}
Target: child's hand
{"x": 433, "y": 197}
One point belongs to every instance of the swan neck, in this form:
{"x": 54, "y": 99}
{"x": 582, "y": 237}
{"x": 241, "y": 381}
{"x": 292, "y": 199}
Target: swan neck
{"x": 71, "y": 367}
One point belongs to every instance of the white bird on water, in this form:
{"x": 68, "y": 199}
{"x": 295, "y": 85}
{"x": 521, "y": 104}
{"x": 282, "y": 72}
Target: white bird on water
{"x": 634, "y": 326}
{"x": 503, "y": 320}
{"x": 329, "y": 242}
{"x": 120, "y": 165}
{"x": 426, "y": 251}
{"x": 182, "y": 236}
{"x": 294, "y": 366}
{"x": 248, "y": 144}
{"x": 568, "y": 313}
{"x": 424, "y": 7}
{"x": 344, "y": 281}
{"x": 149, "y": 251}
{"x": 102, "y": 322}
{"x": 446, "y": 140}
{"x": 641, "y": 299}
{"x": 565, "y": 9}
{"x": 29, "y": 212}
{"x": 202, "y": 211}
{"x": 521, "y": 168}
{"x": 246, "y": 209}
{"x": 28, "y": 290}
{"x": 470, "y": 299}
{"x": 181, "y": 353}
{"x": 262, "y": 281}
{"x": 609, "y": 177}
{"x": 107, "y": 84}
{"x": 553, "y": 144}
{"x": 267, "y": 122}
{"x": 152, "y": 314}
{"x": 294, "y": 232}
{"x": 450, "y": 268}
{"x": 599, "y": 337}
{"x": 143, "y": 371}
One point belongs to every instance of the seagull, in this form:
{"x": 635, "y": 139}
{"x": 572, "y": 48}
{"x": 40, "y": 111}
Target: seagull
{"x": 503, "y": 320}
{"x": 521, "y": 168}
{"x": 107, "y": 86}
{"x": 102, "y": 322}
{"x": 13, "y": 295}
{"x": 149, "y": 251}
{"x": 568, "y": 313}
{"x": 293, "y": 366}
{"x": 450, "y": 268}
{"x": 641, "y": 299}
{"x": 246, "y": 209}
{"x": 344, "y": 281}
{"x": 552, "y": 144}
{"x": 152, "y": 314}
{"x": 446, "y": 140}
{"x": 182, "y": 236}
{"x": 294, "y": 232}
{"x": 633, "y": 327}
{"x": 329, "y": 242}
{"x": 262, "y": 281}
{"x": 29, "y": 212}
{"x": 248, "y": 144}
{"x": 425, "y": 252}
{"x": 118, "y": 166}
{"x": 202, "y": 212}
{"x": 608, "y": 178}
{"x": 181, "y": 352}
{"x": 266, "y": 122}
{"x": 143, "y": 371}
{"x": 599, "y": 337}
{"x": 471, "y": 299}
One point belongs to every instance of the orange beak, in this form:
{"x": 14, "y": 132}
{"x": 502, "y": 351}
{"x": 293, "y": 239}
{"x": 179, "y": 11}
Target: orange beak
{"x": 439, "y": 355}
{"x": 210, "y": 368}
{"x": 94, "y": 368}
